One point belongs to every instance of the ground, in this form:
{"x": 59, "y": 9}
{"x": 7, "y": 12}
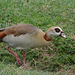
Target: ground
{"x": 56, "y": 59}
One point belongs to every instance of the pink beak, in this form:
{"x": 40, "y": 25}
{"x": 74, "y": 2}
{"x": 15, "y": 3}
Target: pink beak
{"x": 63, "y": 35}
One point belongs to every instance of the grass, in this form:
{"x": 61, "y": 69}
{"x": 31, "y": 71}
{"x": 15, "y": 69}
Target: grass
{"x": 11, "y": 69}
{"x": 55, "y": 59}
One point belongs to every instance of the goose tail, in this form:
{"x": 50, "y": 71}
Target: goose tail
{"x": 2, "y": 35}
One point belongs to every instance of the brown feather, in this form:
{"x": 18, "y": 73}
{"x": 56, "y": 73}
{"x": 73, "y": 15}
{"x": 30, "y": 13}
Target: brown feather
{"x": 21, "y": 29}
{"x": 47, "y": 38}
{"x": 2, "y": 34}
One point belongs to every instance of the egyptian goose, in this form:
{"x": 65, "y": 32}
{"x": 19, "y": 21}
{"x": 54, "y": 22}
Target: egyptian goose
{"x": 26, "y": 36}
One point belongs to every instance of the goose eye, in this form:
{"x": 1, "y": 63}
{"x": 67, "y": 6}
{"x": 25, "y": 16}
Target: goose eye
{"x": 57, "y": 30}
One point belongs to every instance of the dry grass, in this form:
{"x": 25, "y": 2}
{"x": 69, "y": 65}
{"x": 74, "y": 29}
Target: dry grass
{"x": 73, "y": 36}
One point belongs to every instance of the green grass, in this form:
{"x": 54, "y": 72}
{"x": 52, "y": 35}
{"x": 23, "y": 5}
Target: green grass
{"x": 58, "y": 57}
{"x": 11, "y": 69}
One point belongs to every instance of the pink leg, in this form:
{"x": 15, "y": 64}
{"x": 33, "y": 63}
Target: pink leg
{"x": 24, "y": 55}
{"x": 23, "y": 65}
{"x": 17, "y": 58}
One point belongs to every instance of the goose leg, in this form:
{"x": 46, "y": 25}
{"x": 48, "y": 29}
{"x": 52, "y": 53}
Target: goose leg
{"x": 17, "y": 58}
{"x": 23, "y": 65}
{"x": 24, "y": 55}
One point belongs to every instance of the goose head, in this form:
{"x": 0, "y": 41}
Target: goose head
{"x": 54, "y": 31}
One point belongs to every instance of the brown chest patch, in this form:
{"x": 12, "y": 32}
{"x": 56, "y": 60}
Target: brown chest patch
{"x": 47, "y": 38}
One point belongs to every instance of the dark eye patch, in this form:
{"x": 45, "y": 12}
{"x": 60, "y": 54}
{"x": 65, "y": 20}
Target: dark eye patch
{"x": 57, "y": 29}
